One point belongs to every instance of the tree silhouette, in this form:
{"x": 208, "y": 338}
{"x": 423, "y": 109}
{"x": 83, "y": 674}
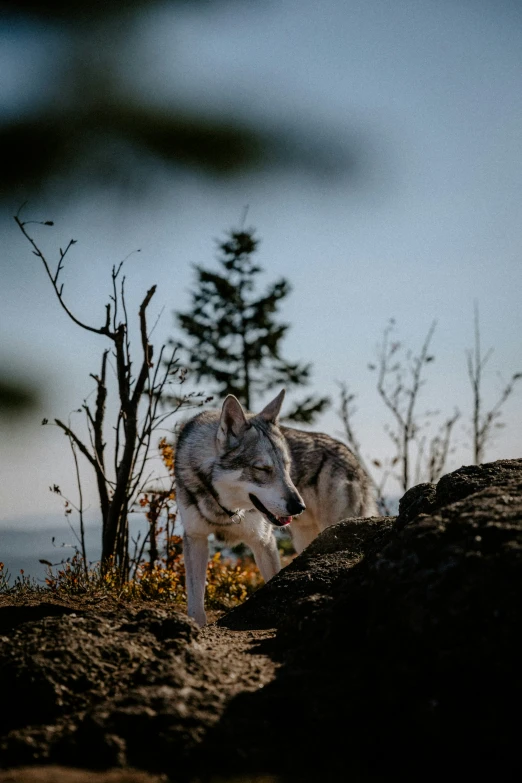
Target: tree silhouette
{"x": 233, "y": 338}
{"x": 140, "y": 384}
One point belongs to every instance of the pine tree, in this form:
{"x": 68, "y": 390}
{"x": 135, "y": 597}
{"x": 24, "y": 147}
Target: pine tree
{"x": 233, "y": 338}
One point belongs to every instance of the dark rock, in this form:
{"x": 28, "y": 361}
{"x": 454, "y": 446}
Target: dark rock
{"x": 417, "y": 500}
{"x": 13, "y": 616}
{"x": 472, "y": 478}
{"x": 319, "y": 570}
{"x": 409, "y": 664}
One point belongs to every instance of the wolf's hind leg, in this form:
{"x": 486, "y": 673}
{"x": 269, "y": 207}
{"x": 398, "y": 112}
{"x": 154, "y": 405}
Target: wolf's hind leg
{"x": 266, "y": 556}
{"x": 195, "y": 552}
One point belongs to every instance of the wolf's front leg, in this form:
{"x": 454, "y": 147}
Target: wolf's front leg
{"x": 266, "y": 556}
{"x": 302, "y": 534}
{"x": 195, "y": 552}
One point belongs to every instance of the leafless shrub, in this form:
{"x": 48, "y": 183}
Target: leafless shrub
{"x": 484, "y": 422}
{"x": 400, "y": 378}
{"x": 417, "y": 456}
{"x": 140, "y": 412}
{"x": 346, "y": 412}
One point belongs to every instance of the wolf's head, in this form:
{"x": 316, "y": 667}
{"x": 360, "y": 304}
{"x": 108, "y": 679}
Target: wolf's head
{"x": 253, "y": 465}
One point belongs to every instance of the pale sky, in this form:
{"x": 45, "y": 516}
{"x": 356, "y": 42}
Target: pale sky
{"x": 430, "y": 96}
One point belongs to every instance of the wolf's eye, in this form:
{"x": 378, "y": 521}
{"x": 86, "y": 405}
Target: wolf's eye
{"x": 263, "y": 468}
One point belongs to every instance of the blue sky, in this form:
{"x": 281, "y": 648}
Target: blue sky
{"x": 429, "y": 92}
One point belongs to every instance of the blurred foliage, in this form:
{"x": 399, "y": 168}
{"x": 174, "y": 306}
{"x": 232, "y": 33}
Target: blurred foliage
{"x": 99, "y": 145}
{"x": 15, "y": 398}
{"x": 80, "y": 9}
{"x": 94, "y": 128}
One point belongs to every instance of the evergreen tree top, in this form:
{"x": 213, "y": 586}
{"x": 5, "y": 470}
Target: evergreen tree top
{"x": 232, "y": 335}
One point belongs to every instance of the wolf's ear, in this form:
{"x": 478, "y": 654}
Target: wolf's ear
{"x": 271, "y": 411}
{"x": 232, "y": 422}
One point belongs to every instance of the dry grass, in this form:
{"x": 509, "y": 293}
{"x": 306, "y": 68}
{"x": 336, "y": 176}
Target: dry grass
{"x": 229, "y": 582}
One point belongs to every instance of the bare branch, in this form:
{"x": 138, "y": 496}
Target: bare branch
{"x": 80, "y": 507}
{"x": 72, "y": 435}
{"x": 122, "y": 368}
{"x": 54, "y": 280}
{"x": 483, "y": 423}
{"x": 346, "y": 413}
{"x": 401, "y": 400}
{"x": 391, "y": 402}
{"x": 439, "y": 448}
{"x": 147, "y": 348}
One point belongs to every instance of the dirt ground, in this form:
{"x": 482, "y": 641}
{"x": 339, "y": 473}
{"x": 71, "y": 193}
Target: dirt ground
{"x": 65, "y": 656}
{"x": 390, "y": 647}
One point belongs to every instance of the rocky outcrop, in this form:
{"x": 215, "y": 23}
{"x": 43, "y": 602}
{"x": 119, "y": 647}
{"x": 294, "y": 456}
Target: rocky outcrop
{"x": 408, "y": 659}
{"x": 390, "y": 646}
{"x": 314, "y": 577}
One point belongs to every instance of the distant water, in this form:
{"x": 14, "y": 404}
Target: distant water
{"x": 22, "y": 545}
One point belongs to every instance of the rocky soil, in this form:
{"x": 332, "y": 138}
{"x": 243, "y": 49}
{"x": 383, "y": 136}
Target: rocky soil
{"x": 390, "y": 647}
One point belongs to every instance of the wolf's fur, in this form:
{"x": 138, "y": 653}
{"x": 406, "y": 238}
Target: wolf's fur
{"x": 223, "y": 459}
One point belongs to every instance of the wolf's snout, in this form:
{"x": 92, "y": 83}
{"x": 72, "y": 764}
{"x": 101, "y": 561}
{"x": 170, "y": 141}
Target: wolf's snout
{"x": 295, "y": 507}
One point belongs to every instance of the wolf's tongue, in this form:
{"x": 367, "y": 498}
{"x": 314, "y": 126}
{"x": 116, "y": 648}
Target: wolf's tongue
{"x": 285, "y": 520}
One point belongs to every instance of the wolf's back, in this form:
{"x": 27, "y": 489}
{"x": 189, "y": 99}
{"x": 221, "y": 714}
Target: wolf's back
{"x": 327, "y": 468}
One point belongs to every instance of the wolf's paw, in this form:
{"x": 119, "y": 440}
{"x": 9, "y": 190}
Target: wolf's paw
{"x": 199, "y": 615}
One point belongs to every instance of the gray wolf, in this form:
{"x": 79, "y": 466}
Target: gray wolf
{"x": 240, "y": 475}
